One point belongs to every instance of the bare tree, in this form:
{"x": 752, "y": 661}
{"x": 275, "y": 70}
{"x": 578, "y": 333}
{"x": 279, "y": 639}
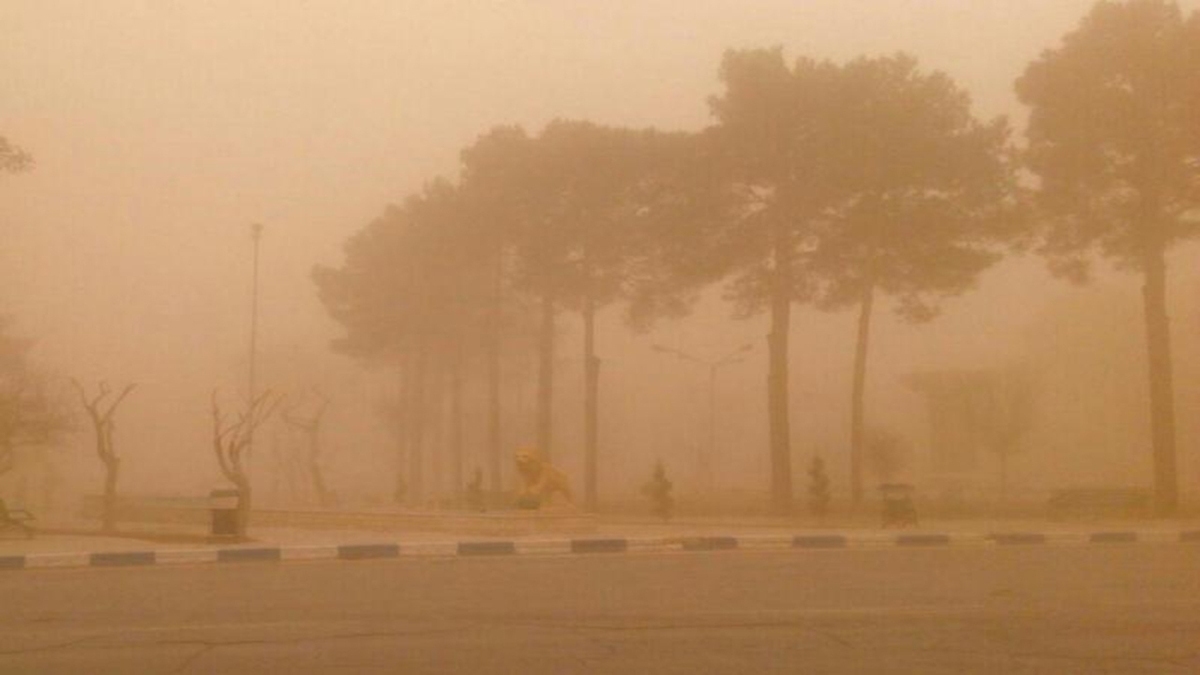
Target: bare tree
{"x": 101, "y": 409}
{"x": 231, "y": 441}
{"x": 30, "y": 413}
{"x": 310, "y": 427}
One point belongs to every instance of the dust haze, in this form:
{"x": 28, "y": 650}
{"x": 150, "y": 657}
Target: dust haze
{"x": 160, "y": 132}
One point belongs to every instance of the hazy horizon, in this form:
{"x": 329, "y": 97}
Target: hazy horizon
{"x": 161, "y": 131}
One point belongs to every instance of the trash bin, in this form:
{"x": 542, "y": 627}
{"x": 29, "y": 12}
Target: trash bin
{"x": 898, "y": 507}
{"x": 222, "y": 502}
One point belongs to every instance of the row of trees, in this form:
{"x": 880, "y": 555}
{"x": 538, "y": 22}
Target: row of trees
{"x": 29, "y": 415}
{"x": 819, "y": 183}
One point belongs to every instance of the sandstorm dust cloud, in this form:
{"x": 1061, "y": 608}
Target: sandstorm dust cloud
{"x": 161, "y": 132}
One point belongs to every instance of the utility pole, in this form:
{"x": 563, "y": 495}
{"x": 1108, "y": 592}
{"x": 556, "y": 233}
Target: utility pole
{"x": 255, "y": 236}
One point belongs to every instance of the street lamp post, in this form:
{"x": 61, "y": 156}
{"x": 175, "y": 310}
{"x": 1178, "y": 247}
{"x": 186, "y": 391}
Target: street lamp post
{"x": 255, "y": 236}
{"x": 704, "y": 459}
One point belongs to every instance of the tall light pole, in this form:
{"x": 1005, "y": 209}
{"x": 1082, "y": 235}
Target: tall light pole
{"x": 704, "y": 459}
{"x": 255, "y": 236}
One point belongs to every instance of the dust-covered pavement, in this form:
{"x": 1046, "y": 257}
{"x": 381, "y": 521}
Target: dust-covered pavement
{"x": 1003, "y": 609}
{"x": 635, "y": 595}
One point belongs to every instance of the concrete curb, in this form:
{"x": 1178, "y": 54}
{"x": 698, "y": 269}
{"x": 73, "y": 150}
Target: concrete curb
{"x": 590, "y": 546}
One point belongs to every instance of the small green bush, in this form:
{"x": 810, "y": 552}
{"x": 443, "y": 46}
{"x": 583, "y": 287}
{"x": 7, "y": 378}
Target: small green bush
{"x": 658, "y": 489}
{"x": 818, "y": 488}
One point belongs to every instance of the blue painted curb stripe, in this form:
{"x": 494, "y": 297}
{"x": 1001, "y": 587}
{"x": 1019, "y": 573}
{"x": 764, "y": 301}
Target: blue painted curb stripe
{"x": 1192, "y": 535}
{"x": 366, "y": 551}
{"x": 709, "y": 543}
{"x": 1113, "y": 537}
{"x": 1017, "y": 538}
{"x": 486, "y": 548}
{"x": 819, "y": 541}
{"x": 922, "y": 539}
{"x": 12, "y": 562}
{"x": 121, "y": 558}
{"x": 247, "y": 554}
{"x": 599, "y": 545}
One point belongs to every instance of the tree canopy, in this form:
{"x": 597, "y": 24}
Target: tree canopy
{"x": 929, "y": 195}
{"x": 29, "y": 412}
{"x": 1113, "y": 134}
{"x": 13, "y": 158}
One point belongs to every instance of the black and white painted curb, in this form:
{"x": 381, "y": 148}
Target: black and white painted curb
{"x": 760, "y": 542}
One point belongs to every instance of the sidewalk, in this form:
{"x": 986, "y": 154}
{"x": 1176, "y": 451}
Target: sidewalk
{"x": 64, "y": 543}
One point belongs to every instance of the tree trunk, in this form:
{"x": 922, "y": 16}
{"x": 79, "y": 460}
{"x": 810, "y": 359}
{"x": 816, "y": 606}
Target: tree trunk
{"x": 493, "y": 375}
{"x": 1162, "y": 404}
{"x": 545, "y": 400}
{"x": 243, "y": 505}
{"x": 318, "y": 479}
{"x": 456, "y": 429}
{"x": 6, "y": 456}
{"x": 777, "y": 379}
{"x": 495, "y": 433}
{"x": 1003, "y": 476}
{"x": 857, "y": 394}
{"x": 591, "y": 404}
{"x": 416, "y": 440}
{"x": 435, "y": 437}
{"x": 710, "y": 445}
{"x": 108, "y": 518}
{"x": 403, "y": 421}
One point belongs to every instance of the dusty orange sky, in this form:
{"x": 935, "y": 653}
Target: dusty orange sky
{"x": 163, "y": 129}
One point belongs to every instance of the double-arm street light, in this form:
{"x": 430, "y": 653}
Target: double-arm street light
{"x": 705, "y": 457}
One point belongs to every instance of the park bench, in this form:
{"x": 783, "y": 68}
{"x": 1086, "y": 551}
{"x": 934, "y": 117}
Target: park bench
{"x": 15, "y": 518}
{"x": 1099, "y": 501}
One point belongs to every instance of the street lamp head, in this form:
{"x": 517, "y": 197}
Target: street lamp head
{"x": 256, "y": 231}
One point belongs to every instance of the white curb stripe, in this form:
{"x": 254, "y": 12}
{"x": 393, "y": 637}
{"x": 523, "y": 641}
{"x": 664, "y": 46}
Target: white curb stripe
{"x": 321, "y": 552}
{"x": 969, "y": 539}
{"x": 186, "y": 555}
{"x": 430, "y": 548}
{"x": 1158, "y": 536}
{"x": 765, "y": 541}
{"x": 870, "y": 540}
{"x": 647, "y": 544}
{"x": 543, "y": 546}
{"x": 49, "y": 560}
{"x": 1068, "y": 538}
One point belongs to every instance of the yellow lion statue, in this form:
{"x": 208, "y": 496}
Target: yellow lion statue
{"x": 539, "y": 480}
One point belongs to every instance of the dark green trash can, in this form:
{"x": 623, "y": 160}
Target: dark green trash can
{"x": 222, "y": 503}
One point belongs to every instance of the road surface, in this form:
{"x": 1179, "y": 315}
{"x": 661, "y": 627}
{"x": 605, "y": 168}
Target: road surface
{"x": 1039, "y": 609}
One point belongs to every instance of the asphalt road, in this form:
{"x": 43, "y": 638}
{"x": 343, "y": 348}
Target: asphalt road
{"x": 1086, "y": 609}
